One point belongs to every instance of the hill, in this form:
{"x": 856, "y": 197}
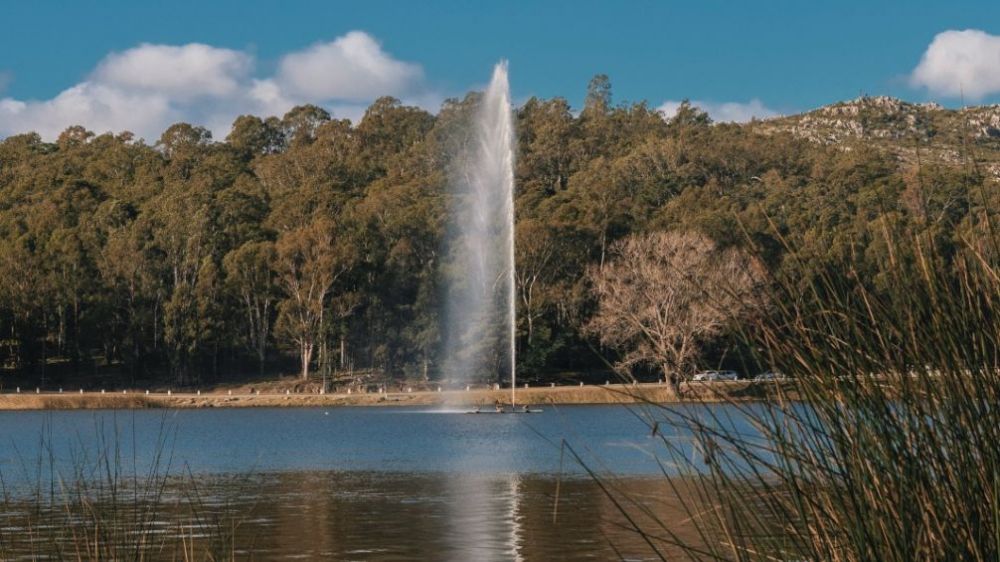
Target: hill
{"x": 911, "y": 130}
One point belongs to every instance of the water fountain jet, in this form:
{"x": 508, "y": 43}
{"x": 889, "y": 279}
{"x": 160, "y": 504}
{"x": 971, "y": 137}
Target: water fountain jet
{"x": 481, "y": 316}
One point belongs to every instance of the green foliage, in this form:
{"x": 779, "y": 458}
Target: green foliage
{"x": 172, "y": 262}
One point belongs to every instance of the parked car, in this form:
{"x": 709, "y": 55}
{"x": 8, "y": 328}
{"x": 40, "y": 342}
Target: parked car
{"x": 769, "y": 376}
{"x": 729, "y": 376}
{"x": 714, "y": 376}
{"x": 705, "y": 376}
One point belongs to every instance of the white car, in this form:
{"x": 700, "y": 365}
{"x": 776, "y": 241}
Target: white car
{"x": 769, "y": 376}
{"x": 729, "y": 376}
{"x": 712, "y": 376}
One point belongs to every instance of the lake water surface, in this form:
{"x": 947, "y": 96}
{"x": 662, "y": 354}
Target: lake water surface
{"x": 378, "y": 483}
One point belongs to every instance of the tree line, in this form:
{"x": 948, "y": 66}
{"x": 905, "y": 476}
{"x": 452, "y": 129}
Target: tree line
{"x": 307, "y": 243}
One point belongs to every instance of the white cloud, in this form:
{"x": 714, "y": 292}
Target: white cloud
{"x": 960, "y": 62}
{"x": 182, "y": 72}
{"x": 96, "y": 106}
{"x": 733, "y": 112}
{"x": 149, "y": 87}
{"x": 353, "y": 67}
{"x": 5, "y": 79}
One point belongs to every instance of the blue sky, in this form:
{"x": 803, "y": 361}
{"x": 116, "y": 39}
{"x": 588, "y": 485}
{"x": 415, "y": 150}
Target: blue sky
{"x": 761, "y": 57}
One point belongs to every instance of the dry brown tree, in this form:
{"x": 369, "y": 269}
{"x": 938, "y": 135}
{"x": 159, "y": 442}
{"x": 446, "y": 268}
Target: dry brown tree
{"x": 663, "y": 295}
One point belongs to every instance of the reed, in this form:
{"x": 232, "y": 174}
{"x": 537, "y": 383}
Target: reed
{"x": 110, "y": 502}
{"x": 883, "y": 445}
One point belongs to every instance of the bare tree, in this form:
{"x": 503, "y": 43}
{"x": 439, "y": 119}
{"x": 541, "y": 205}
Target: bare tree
{"x": 664, "y": 295}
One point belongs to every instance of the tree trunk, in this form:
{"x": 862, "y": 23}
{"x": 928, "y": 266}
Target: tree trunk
{"x": 673, "y": 382}
{"x": 343, "y": 352}
{"x": 77, "y": 351}
{"x": 307, "y": 351}
{"x": 261, "y": 334}
{"x": 261, "y": 355}
{"x": 604, "y": 238}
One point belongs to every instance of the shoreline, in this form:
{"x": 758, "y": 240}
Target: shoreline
{"x": 538, "y": 396}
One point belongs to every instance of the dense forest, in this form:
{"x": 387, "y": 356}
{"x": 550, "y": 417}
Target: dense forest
{"x": 310, "y": 241}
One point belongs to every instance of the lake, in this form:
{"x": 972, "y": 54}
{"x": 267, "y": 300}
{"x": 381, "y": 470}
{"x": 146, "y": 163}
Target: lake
{"x": 376, "y": 483}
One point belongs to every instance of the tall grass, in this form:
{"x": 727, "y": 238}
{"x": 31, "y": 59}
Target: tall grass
{"x": 884, "y": 444}
{"x": 109, "y": 502}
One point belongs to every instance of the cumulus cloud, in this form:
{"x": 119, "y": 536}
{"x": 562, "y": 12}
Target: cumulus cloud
{"x": 354, "y": 67}
{"x": 149, "y": 87}
{"x": 960, "y": 62}
{"x": 96, "y": 106}
{"x": 182, "y": 72}
{"x": 730, "y": 112}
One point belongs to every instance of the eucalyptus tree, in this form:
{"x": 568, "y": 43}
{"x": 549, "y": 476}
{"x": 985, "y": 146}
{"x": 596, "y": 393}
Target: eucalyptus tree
{"x": 250, "y": 276}
{"x": 310, "y": 261}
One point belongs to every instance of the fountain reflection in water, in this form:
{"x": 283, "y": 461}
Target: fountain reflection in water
{"x": 484, "y": 520}
{"x": 480, "y": 339}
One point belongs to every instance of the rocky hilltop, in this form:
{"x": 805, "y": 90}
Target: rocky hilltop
{"x": 934, "y": 132}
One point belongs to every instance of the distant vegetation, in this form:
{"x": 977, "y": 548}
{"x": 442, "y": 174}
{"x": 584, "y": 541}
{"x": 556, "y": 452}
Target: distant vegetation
{"x": 306, "y": 244}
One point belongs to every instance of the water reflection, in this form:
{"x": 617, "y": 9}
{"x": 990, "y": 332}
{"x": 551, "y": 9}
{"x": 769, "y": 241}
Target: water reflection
{"x": 378, "y": 516}
{"x": 484, "y": 520}
{"x": 392, "y": 516}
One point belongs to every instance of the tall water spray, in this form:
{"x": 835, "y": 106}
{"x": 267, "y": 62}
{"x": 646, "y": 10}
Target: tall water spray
{"x": 481, "y": 313}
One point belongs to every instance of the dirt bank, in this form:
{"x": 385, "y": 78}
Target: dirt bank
{"x": 239, "y": 398}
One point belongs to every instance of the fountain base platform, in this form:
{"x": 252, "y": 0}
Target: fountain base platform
{"x": 506, "y": 411}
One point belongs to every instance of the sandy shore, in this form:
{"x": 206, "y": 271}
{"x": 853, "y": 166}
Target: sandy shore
{"x": 603, "y": 394}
